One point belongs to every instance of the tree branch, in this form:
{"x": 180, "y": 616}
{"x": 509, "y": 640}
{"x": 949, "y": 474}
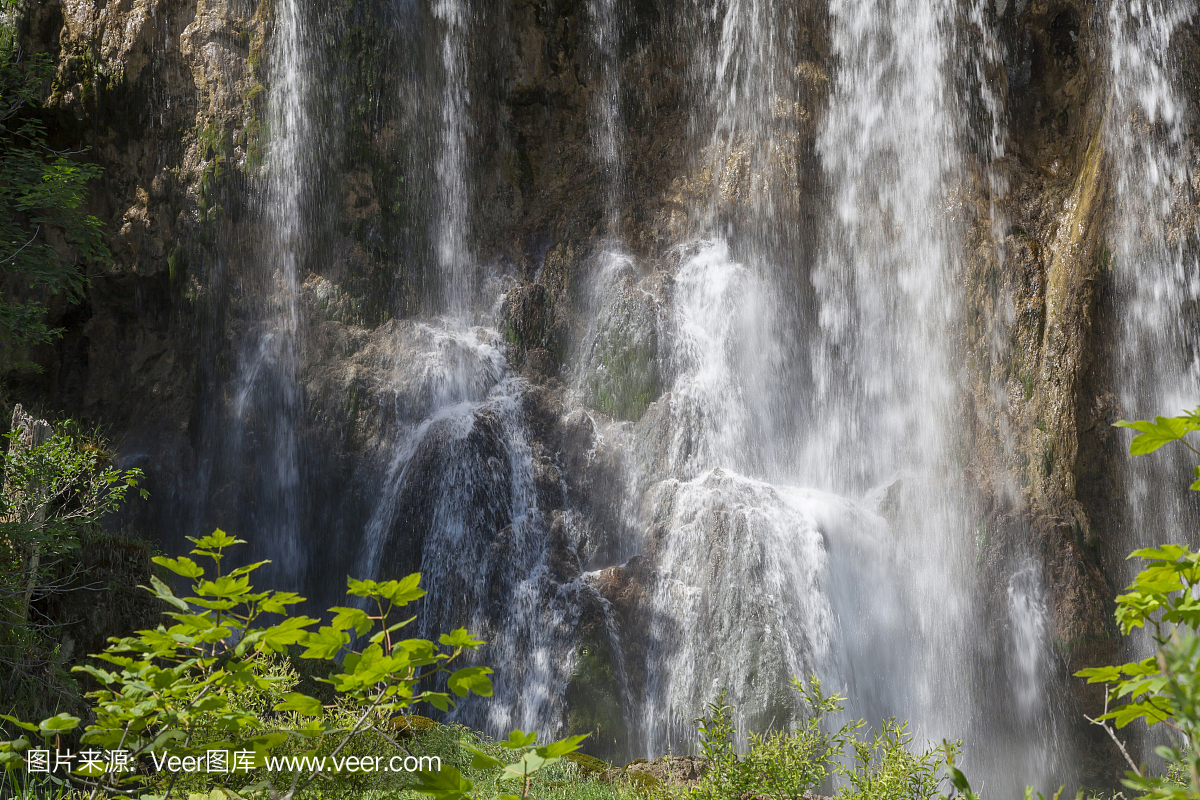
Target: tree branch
{"x": 1112, "y": 735}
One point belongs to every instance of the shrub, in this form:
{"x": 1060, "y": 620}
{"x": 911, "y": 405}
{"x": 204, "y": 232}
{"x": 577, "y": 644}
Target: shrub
{"x": 1163, "y": 600}
{"x": 42, "y": 202}
{"x": 216, "y": 679}
{"x": 788, "y": 765}
{"x": 58, "y": 482}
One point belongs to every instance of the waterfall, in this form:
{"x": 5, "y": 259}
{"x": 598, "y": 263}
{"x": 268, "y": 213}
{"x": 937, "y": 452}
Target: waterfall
{"x": 251, "y": 478}
{"x": 886, "y": 278}
{"x": 458, "y": 497}
{"x": 288, "y": 175}
{"x": 452, "y": 220}
{"x": 606, "y": 102}
{"x": 795, "y": 484}
{"x": 768, "y": 399}
{"x": 1153, "y": 256}
{"x": 888, "y": 303}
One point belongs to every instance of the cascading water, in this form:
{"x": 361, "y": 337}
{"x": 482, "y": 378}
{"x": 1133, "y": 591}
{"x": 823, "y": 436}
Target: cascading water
{"x": 278, "y": 353}
{"x": 606, "y": 102}
{"x": 460, "y": 484}
{"x": 883, "y": 378}
{"x": 459, "y": 477}
{"x": 452, "y": 222}
{"x": 715, "y": 459}
{"x": 1153, "y": 254}
{"x": 1156, "y": 273}
{"x": 784, "y": 411}
{"x": 253, "y": 431}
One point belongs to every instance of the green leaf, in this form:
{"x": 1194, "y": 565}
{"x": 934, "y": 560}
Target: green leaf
{"x": 277, "y": 602}
{"x": 1167, "y": 552}
{"x": 460, "y": 638}
{"x": 445, "y": 784}
{"x": 471, "y": 679}
{"x": 180, "y": 566}
{"x": 59, "y": 723}
{"x": 163, "y": 592}
{"x": 420, "y": 651}
{"x": 29, "y": 726}
{"x": 403, "y": 591}
{"x": 246, "y": 570}
{"x": 438, "y": 700}
{"x": 381, "y": 635}
{"x": 1132, "y": 712}
{"x": 562, "y": 746}
{"x": 1155, "y": 434}
{"x": 958, "y": 779}
{"x": 482, "y": 760}
{"x": 519, "y": 740}
{"x": 295, "y": 701}
{"x": 1100, "y": 674}
{"x": 324, "y": 644}
{"x": 530, "y": 763}
{"x": 224, "y": 587}
{"x": 361, "y": 588}
{"x": 355, "y": 618}
{"x": 288, "y": 632}
{"x": 215, "y": 541}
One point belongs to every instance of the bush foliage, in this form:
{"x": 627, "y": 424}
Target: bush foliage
{"x": 1163, "y": 600}
{"x": 46, "y": 234}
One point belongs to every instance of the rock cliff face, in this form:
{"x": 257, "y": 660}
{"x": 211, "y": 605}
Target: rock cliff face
{"x": 169, "y": 95}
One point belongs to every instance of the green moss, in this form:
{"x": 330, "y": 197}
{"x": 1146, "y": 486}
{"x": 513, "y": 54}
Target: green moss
{"x": 91, "y": 75}
{"x": 177, "y": 263}
{"x": 1106, "y": 259}
{"x": 531, "y": 323}
{"x": 256, "y": 41}
{"x": 255, "y": 96}
{"x": 513, "y": 336}
{"x": 629, "y": 381}
{"x": 1048, "y": 459}
{"x": 644, "y": 781}
{"x": 590, "y": 694}
{"x": 411, "y": 725}
{"x": 589, "y": 766}
{"x": 216, "y": 149}
{"x": 1028, "y": 380}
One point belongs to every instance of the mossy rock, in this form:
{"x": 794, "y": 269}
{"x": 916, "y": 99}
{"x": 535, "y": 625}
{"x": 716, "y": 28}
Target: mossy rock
{"x": 589, "y": 766}
{"x": 411, "y": 725}
{"x": 589, "y": 696}
{"x": 622, "y": 370}
{"x": 643, "y": 781}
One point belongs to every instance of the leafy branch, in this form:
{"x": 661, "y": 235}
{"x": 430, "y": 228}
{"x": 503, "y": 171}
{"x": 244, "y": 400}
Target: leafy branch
{"x": 1163, "y": 600}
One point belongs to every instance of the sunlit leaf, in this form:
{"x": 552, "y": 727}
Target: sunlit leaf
{"x": 1154, "y": 435}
